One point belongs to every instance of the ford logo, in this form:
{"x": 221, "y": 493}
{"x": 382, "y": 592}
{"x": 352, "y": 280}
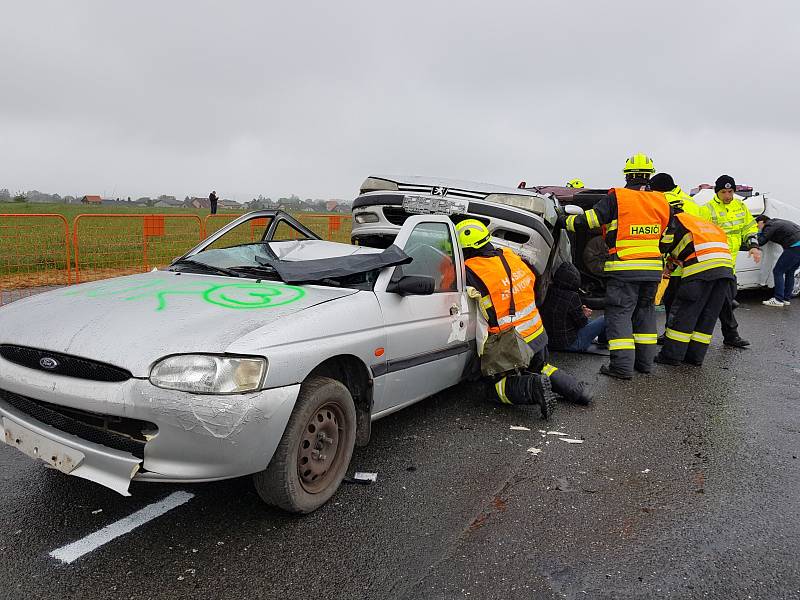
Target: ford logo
{"x": 48, "y": 363}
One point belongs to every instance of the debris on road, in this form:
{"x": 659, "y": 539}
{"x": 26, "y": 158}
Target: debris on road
{"x": 646, "y": 471}
{"x": 97, "y": 512}
{"x": 556, "y": 433}
{"x": 571, "y": 440}
{"x": 534, "y": 451}
{"x": 519, "y": 428}
{"x": 362, "y": 478}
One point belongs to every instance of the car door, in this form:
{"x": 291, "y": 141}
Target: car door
{"x": 427, "y": 337}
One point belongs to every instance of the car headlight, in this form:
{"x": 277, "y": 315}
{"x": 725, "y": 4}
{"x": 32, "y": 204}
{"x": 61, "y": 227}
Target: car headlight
{"x": 207, "y": 374}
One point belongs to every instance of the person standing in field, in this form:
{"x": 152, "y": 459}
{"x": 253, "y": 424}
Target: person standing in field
{"x": 212, "y": 198}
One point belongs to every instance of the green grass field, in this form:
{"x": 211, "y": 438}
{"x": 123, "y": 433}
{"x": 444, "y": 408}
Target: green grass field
{"x": 34, "y": 250}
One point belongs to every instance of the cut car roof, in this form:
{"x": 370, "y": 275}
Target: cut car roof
{"x": 454, "y": 187}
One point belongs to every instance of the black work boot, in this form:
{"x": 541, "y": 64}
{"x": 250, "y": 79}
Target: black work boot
{"x": 541, "y": 392}
{"x": 570, "y": 388}
{"x": 663, "y": 360}
{"x": 606, "y": 370}
{"x": 736, "y": 342}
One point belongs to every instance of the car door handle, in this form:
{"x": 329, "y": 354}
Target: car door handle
{"x": 454, "y": 310}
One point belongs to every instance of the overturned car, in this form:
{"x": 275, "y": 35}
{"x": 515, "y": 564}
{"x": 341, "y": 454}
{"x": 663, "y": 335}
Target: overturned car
{"x": 522, "y": 220}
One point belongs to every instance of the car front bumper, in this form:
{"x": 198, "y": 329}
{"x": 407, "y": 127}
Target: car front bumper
{"x": 199, "y": 437}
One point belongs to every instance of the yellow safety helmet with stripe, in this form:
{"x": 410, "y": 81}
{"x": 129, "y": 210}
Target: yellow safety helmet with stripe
{"x": 575, "y": 183}
{"x": 639, "y": 163}
{"x": 472, "y": 234}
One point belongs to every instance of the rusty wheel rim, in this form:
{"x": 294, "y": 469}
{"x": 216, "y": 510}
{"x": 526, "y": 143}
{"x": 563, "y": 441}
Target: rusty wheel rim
{"x": 318, "y": 455}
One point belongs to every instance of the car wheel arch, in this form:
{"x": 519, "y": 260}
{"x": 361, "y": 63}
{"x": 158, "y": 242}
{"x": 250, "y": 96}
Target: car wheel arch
{"x": 351, "y": 372}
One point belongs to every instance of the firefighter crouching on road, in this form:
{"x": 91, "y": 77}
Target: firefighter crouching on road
{"x": 678, "y": 200}
{"x": 633, "y": 221}
{"x": 702, "y": 249}
{"x": 507, "y": 300}
{"x": 734, "y": 218}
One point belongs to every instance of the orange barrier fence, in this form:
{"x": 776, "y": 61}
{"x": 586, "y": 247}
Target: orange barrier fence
{"x": 335, "y": 228}
{"x": 40, "y": 251}
{"x": 109, "y": 245}
{"x": 34, "y": 254}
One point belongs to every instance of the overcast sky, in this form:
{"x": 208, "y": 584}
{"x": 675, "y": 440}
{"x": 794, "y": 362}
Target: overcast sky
{"x": 144, "y": 98}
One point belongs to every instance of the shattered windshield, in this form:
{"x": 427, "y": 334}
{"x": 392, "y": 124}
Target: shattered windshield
{"x": 306, "y": 261}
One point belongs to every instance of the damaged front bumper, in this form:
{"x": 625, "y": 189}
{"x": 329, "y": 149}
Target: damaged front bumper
{"x": 198, "y": 437}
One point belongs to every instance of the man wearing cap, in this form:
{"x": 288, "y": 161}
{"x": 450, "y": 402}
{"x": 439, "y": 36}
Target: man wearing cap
{"x": 734, "y": 218}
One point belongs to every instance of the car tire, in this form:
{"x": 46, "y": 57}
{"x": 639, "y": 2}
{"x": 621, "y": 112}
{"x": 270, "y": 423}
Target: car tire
{"x": 796, "y": 287}
{"x": 313, "y": 455}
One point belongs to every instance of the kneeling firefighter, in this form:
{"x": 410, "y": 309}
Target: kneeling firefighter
{"x": 514, "y": 355}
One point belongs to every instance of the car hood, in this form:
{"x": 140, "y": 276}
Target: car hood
{"x": 133, "y": 321}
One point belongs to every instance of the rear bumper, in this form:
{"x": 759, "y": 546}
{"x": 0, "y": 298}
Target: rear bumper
{"x": 199, "y": 438}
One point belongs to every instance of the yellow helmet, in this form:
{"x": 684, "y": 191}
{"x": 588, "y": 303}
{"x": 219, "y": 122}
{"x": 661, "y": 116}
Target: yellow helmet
{"x": 639, "y": 163}
{"x": 575, "y": 183}
{"x": 472, "y": 234}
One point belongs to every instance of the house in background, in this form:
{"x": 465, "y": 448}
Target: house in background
{"x": 331, "y": 205}
{"x": 229, "y": 204}
{"x": 196, "y": 202}
{"x": 96, "y": 200}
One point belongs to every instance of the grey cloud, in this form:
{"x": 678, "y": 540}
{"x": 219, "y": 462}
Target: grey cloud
{"x": 309, "y": 98}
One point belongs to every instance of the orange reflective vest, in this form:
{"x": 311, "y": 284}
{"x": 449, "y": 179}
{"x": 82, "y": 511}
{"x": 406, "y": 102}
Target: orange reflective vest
{"x": 497, "y": 304}
{"x": 707, "y": 246}
{"x": 641, "y": 219}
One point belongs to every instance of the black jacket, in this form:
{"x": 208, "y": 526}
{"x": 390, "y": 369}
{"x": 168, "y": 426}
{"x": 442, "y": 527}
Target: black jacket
{"x": 562, "y": 311}
{"x": 781, "y": 232}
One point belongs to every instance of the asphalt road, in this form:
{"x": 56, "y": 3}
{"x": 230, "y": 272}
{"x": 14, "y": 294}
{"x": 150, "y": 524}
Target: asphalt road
{"x": 686, "y": 485}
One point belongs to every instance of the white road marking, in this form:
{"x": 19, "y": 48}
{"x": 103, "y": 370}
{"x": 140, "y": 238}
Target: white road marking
{"x": 72, "y": 552}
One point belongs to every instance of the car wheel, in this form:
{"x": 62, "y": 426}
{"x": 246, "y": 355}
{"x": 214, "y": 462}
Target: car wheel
{"x": 796, "y": 288}
{"x": 313, "y": 455}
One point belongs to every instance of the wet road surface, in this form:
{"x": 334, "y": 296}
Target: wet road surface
{"x": 686, "y": 485}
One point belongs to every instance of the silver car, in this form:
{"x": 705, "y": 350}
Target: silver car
{"x": 268, "y": 356}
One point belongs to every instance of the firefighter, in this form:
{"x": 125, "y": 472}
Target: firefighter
{"x": 702, "y": 249}
{"x": 734, "y": 218}
{"x": 507, "y": 299}
{"x": 633, "y": 220}
{"x": 679, "y": 200}
{"x": 575, "y": 184}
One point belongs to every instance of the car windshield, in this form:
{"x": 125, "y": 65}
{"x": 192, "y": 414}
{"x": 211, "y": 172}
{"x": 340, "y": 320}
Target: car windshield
{"x": 305, "y": 261}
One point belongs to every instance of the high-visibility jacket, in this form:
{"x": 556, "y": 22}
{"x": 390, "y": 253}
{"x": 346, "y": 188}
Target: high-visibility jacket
{"x": 496, "y": 305}
{"x": 641, "y": 218}
{"x": 636, "y": 219}
{"x": 736, "y": 221}
{"x": 680, "y": 199}
{"x": 700, "y": 246}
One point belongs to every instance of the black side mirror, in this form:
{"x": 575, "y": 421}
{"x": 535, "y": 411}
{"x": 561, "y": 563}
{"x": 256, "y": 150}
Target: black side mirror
{"x": 412, "y": 285}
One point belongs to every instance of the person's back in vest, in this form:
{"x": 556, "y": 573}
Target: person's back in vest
{"x": 633, "y": 220}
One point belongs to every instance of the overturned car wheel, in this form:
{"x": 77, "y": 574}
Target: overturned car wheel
{"x": 313, "y": 455}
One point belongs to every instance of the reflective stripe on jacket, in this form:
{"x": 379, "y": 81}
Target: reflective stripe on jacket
{"x": 735, "y": 220}
{"x": 497, "y": 304}
{"x": 641, "y": 219}
{"x": 703, "y": 247}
